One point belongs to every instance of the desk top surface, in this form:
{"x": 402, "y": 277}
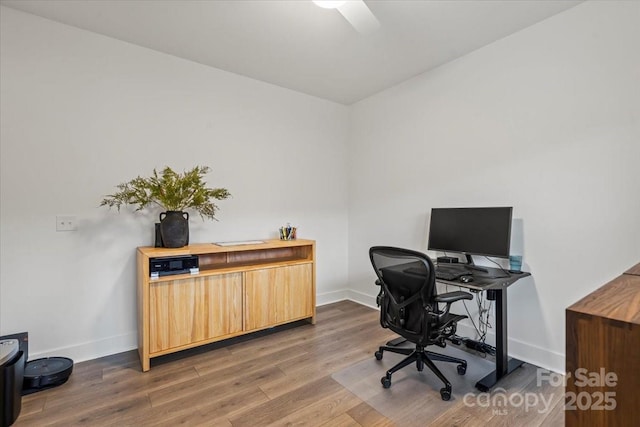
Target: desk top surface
{"x": 483, "y": 282}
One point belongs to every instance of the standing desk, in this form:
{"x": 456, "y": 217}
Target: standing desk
{"x": 496, "y": 289}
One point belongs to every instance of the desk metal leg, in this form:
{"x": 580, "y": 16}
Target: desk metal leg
{"x": 504, "y": 366}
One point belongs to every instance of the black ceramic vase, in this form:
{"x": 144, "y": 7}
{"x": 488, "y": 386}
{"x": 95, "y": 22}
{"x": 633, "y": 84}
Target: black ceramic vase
{"x": 174, "y": 229}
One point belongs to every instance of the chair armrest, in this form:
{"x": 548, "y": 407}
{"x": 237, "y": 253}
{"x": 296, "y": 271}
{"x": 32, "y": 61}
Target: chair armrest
{"x": 450, "y": 297}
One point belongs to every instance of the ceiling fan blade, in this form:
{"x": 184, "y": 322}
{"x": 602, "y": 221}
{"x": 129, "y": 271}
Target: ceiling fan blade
{"x": 360, "y": 16}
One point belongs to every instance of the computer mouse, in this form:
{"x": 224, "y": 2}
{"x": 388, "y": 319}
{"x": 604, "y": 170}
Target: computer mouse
{"x": 466, "y": 279}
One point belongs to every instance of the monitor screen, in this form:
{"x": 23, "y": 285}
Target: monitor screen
{"x": 473, "y": 231}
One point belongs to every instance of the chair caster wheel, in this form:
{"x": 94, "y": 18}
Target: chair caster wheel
{"x": 445, "y": 394}
{"x": 462, "y": 369}
{"x": 378, "y": 355}
{"x": 386, "y": 382}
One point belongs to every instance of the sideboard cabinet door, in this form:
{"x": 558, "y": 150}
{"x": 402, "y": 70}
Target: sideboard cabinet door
{"x": 187, "y": 311}
{"x": 277, "y": 295}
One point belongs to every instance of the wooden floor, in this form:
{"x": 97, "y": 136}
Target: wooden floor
{"x": 281, "y": 378}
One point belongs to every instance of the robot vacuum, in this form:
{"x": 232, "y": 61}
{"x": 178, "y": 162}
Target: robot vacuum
{"x": 45, "y": 373}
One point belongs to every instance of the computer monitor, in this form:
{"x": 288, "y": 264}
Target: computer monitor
{"x": 471, "y": 231}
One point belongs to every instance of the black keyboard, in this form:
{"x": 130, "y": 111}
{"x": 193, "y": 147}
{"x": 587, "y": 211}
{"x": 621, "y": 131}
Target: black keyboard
{"x": 450, "y": 273}
{"x": 442, "y": 272}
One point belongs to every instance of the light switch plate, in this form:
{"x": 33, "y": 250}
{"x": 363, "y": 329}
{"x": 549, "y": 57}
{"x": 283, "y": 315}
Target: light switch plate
{"x": 66, "y": 223}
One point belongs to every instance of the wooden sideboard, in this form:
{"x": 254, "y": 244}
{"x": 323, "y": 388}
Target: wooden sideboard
{"x": 239, "y": 289}
{"x": 603, "y": 336}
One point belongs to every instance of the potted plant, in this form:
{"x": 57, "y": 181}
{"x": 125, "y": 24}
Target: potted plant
{"x": 173, "y": 192}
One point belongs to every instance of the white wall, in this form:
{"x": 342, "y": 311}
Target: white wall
{"x": 547, "y": 121}
{"x": 81, "y": 113}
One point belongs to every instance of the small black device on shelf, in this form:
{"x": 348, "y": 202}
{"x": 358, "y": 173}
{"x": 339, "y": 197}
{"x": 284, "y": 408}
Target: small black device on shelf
{"x": 167, "y": 266}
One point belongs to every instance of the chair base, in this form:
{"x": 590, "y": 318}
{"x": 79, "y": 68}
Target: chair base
{"x": 422, "y": 357}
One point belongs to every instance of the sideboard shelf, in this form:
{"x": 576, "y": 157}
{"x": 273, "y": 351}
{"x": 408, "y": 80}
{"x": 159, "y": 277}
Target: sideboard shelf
{"x": 239, "y": 289}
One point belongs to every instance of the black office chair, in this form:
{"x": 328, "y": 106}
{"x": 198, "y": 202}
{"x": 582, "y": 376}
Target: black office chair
{"x": 409, "y": 306}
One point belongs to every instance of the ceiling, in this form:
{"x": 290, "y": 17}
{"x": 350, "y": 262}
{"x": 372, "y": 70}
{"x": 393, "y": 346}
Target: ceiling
{"x": 297, "y": 45}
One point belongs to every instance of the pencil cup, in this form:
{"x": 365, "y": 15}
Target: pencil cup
{"x": 288, "y": 232}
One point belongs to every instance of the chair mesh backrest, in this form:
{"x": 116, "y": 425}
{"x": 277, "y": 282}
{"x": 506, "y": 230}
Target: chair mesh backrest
{"x": 408, "y": 284}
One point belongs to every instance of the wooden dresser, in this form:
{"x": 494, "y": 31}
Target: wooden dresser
{"x": 603, "y": 337}
{"x": 239, "y": 289}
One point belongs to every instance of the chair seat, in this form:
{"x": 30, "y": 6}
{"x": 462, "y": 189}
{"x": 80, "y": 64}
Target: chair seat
{"x": 449, "y": 319}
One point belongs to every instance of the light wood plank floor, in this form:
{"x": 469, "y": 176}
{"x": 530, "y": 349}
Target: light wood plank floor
{"x": 279, "y": 378}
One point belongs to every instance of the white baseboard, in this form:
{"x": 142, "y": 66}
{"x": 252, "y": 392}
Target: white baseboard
{"x": 118, "y": 344}
{"x": 92, "y": 349}
{"x": 362, "y": 298}
{"x": 529, "y": 353}
{"x": 346, "y": 295}
{"x": 331, "y": 297}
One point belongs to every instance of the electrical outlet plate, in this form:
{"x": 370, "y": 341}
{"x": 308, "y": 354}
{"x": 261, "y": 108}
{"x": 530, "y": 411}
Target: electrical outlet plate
{"x": 66, "y": 223}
